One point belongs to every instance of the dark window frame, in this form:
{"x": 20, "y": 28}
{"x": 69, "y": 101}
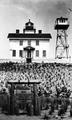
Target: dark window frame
{"x": 37, "y": 42}
{"x": 29, "y": 42}
{"x": 37, "y": 53}
{"x": 14, "y": 53}
{"x": 44, "y": 53}
{"x": 20, "y": 53}
{"x": 21, "y": 42}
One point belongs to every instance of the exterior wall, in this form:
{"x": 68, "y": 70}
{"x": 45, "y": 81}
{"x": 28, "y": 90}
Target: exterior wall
{"x": 43, "y": 45}
{"x": 15, "y": 45}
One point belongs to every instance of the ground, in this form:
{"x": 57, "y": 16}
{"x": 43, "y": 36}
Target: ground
{"x": 20, "y": 117}
{"x": 25, "y": 117}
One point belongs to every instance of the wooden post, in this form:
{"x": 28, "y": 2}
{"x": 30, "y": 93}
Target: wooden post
{"x": 36, "y": 101}
{"x": 12, "y": 99}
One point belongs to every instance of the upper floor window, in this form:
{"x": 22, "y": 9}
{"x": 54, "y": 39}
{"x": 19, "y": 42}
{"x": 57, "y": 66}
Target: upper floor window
{"x": 14, "y": 53}
{"x": 44, "y": 53}
{"x": 37, "y": 42}
{"x": 21, "y": 42}
{"x": 37, "y": 53}
{"x": 29, "y": 42}
{"x": 20, "y": 53}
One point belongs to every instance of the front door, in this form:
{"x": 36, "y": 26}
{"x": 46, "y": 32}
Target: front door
{"x": 28, "y": 56}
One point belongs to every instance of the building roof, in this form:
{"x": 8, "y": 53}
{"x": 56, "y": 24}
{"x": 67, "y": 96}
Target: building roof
{"x": 21, "y": 35}
{"x": 62, "y": 19}
{"x": 29, "y": 26}
{"x": 29, "y": 23}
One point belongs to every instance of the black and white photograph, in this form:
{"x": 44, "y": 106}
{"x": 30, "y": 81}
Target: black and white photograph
{"x": 35, "y": 59}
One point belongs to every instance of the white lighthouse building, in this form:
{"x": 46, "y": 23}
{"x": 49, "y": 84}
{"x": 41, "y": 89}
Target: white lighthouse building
{"x": 29, "y": 46}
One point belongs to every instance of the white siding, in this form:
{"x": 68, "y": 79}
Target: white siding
{"x": 43, "y": 45}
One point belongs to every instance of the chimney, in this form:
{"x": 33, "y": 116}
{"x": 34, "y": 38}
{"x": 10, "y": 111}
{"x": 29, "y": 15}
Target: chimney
{"x": 17, "y": 31}
{"x": 23, "y": 30}
{"x": 40, "y": 31}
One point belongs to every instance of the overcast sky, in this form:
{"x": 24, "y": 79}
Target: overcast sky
{"x": 43, "y": 13}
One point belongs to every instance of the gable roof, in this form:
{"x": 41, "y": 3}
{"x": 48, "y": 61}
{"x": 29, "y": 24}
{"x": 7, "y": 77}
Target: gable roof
{"x": 29, "y": 48}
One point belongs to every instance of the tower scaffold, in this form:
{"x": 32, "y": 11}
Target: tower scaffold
{"x": 62, "y": 47}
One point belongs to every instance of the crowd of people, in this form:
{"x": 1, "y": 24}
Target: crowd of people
{"x": 49, "y": 74}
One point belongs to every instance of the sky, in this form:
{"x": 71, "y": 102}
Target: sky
{"x": 43, "y": 13}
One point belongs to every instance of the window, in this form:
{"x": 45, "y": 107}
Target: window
{"x": 44, "y": 53}
{"x": 21, "y": 42}
{"x": 37, "y": 42}
{"x": 14, "y": 53}
{"x": 29, "y": 42}
{"x": 37, "y": 53}
{"x": 20, "y": 53}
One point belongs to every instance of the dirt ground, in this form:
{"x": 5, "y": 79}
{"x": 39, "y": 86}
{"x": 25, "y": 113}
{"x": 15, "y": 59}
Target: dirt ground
{"x": 25, "y": 117}
{"x": 20, "y": 117}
